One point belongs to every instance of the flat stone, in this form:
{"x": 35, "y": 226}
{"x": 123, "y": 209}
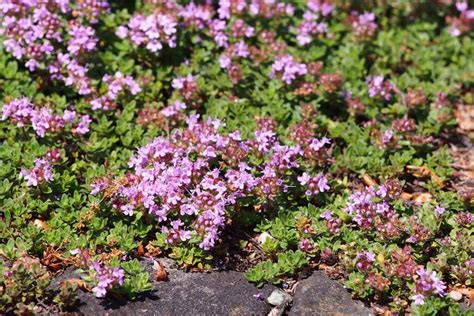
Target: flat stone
{"x": 214, "y": 293}
{"x": 318, "y": 295}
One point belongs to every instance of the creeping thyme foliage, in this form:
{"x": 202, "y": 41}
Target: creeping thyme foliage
{"x": 305, "y": 134}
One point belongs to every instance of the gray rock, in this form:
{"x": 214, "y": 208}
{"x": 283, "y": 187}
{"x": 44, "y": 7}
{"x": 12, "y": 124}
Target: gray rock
{"x": 318, "y": 295}
{"x": 215, "y": 293}
{"x": 278, "y": 298}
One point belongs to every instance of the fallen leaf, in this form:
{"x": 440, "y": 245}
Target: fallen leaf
{"x": 80, "y": 284}
{"x": 140, "y": 250}
{"x": 152, "y": 251}
{"x": 422, "y": 198}
{"x": 161, "y": 274}
{"x": 53, "y": 259}
{"x": 406, "y": 196}
{"x": 469, "y": 293}
{"x": 369, "y": 180}
{"x": 423, "y": 172}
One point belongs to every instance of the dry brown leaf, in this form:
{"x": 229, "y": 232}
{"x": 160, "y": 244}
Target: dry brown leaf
{"x": 140, "y": 250}
{"x": 161, "y": 274}
{"x": 53, "y": 259}
{"x": 369, "y": 180}
{"x": 406, "y": 196}
{"x": 469, "y": 293}
{"x": 423, "y": 172}
{"x": 80, "y": 284}
{"x": 152, "y": 251}
{"x": 422, "y": 198}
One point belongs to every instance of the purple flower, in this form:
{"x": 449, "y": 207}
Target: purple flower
{"x": 365, "y": 260}
{"x": 427, "y": 284}
{"x": 418, "y": 299}
{"x": 387, "y": 137}
{"x": 363, "y": 25}
{"x": 379, "y": 87}
{"x": 241, "y": 49}
{"x": 152, "y": 31}
{"x": 461, "y": 6}
{"x": 19, "y": 111}
{"x": 314, "y": 185}
{"x": 288, "y": 69}
{"x": 91, "y": 9}
{"x": 41, "y": 172}
{"x": 317, "y": 144}
{"x": 106, "y": 277}
{"x": 439, "y": 210}
{"x": 310, "y": 26}
{"x": 69, "y": 116}
{"x": 327, "y": 215}
{"x": 225, "y": 61}
{"x": 454, "y": 31}
{"x": 82, "y": 39}
{"x": 83, "y": 125}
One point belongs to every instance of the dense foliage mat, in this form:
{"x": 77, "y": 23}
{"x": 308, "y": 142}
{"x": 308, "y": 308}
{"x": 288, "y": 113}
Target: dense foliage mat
{"x": 273, "y": 136}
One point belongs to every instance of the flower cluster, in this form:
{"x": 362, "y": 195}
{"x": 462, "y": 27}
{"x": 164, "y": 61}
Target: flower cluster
{"x": 333, "y": 223}
{"x": 365, "y": 260}
{"x": 152, "y": 31}
{"x": 370, "y": 208}
{"x": 314, "y": 185}
{"x": 266, "y": 9}
{"x": 310, "y": 26}
{"x": 379, "y": 87}
{"x": 22, "y": 112}
{"x": 49, "y": 35}
{"x": 91, "y": 10}
{"x": 107, "y": 278}
{"x": 178, "y": 181}
{"x": 42, "y": 171}
{"x": 166, "y": 118}
{"x": 67, "y": 69}
{"x": 427, "y": 284}
{"x": 363, "y": 25}
{"x": 82, "y": 40}
{"x": 287, "y": 69}
{"x": 404, "y": 125}
{"x": 116, "y": 84}
{"x": 195, "y": 15}
{"x": 463, "y": 23}
{"x": 31, "y": 29}
{"x": 307, "y": 245}
{"x": 186, "y": 86}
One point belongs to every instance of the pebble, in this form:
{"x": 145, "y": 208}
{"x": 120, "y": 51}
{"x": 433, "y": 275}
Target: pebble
{"x": 455, "y": 295}
{"x": 279, "y": 298}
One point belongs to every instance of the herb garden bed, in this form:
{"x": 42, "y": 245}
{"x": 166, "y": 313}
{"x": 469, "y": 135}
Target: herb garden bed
{"x": 266, "y": 148}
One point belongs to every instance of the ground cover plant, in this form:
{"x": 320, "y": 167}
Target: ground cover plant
{"x": 271, "y": 136}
